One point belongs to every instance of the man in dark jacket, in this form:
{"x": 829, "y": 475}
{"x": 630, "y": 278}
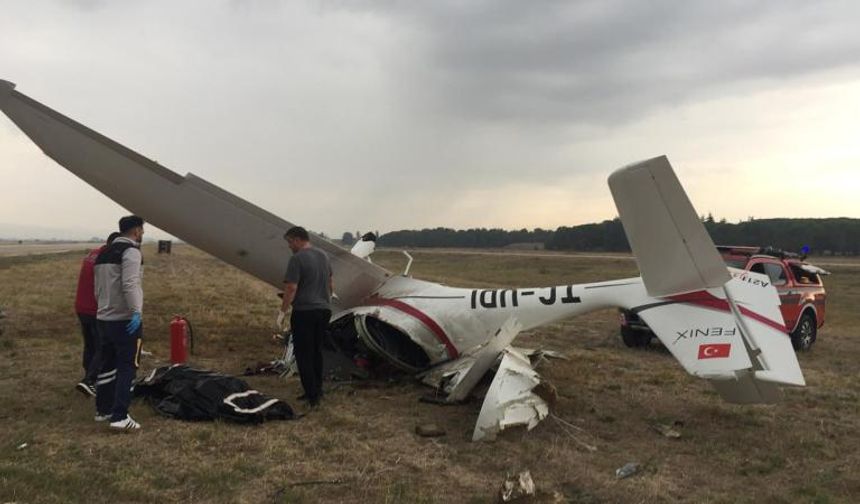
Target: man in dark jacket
{"x": 86, "y": 307}
{"x": 119, "y": 292}
{"x": 307, "y": 293}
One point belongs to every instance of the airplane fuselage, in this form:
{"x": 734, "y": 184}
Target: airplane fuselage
{"x": 448, "y": 322}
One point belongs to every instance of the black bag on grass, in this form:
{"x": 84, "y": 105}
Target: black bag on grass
{"x": 196, "y": 394}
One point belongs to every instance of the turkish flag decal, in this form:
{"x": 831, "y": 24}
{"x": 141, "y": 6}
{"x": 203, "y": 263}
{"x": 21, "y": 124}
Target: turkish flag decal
{"x": 715, "y": 351}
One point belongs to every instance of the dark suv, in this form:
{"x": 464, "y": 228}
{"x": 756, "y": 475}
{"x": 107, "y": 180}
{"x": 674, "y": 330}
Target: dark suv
{"x": 801, "y": 294}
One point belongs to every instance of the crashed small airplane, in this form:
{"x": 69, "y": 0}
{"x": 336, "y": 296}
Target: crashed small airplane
{"x": 718, "y": 324}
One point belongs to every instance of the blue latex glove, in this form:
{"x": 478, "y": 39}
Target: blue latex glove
{"x": 133, "y": 324}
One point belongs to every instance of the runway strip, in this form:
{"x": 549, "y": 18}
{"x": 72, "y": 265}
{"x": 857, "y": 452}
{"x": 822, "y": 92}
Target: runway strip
{"x": 23, "y": 249}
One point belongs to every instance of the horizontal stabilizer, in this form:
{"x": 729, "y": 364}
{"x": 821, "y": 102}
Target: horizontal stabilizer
{"x": 700, "y": 331}
{"x": 674, "y": 252}
{"x": 734, "y": 337}
{"x": 756, "y": 305}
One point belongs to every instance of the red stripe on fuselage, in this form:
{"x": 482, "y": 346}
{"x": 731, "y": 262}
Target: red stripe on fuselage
{"x": 423, "y": 318}
{"x": 708, "y": 300}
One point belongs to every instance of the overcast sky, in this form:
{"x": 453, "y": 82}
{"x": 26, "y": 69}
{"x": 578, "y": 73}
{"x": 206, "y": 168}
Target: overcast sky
{"x": 402, "y": 115}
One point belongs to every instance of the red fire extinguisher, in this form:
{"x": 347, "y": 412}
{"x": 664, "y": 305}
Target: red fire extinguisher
{"x": 181, "y": 339}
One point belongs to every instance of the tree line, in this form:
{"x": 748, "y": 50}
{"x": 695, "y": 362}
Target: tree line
{"x": 463, "y": 238}
{"x": 837, "y": 236}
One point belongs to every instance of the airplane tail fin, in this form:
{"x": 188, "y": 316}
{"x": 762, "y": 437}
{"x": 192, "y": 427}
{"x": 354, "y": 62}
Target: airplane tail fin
{"x": 723, "y": 327}
{"x": 673, "y": 249}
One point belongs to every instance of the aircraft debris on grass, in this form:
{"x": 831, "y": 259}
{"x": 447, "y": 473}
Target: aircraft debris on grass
{"x": 451, "y": 337}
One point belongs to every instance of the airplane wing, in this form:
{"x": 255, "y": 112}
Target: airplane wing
{"x": 188, "y": 207}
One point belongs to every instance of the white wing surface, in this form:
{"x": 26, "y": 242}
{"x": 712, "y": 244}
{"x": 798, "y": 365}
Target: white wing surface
{"x": 189, "y": 208}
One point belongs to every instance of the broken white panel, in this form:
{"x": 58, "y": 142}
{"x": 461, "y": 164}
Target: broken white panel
{"x": 363, "y": 249}
{"x": 459, "y": 377}
{"x": 539, "y": 354}
{"x": 447, "y": 375}
{"x": 288, "y": 362}
{"x": 510, "y": 400}
{"x": 485, "y": 358}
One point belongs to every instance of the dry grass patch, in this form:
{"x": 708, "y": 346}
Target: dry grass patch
{"x": 361, "y": 446}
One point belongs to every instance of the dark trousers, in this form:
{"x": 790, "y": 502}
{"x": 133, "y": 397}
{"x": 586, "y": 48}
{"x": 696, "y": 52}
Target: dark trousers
{"x": 120, "y": 357}
{"x": 309, "y": 327}
{"x": 92, "y": 355}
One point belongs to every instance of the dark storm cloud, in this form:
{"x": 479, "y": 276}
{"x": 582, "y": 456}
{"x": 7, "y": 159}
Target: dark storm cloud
{"x": 406, "y": 114}
{"x": 607, "y": 61}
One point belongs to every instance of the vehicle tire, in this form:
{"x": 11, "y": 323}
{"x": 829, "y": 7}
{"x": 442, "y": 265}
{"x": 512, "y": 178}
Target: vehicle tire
{"x": 804, "y": 335}
{"x": 635, "y": 339}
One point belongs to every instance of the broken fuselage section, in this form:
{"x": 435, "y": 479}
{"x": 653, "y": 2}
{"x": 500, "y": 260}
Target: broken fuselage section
{"x": 451, "y": 337}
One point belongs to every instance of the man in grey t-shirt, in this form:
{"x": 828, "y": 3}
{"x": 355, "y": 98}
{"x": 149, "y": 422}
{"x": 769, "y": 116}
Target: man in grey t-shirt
{"x": 307, "y": 292}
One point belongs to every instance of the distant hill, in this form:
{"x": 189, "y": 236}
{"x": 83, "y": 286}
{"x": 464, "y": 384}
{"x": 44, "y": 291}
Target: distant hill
{"x": 838, "y": 236}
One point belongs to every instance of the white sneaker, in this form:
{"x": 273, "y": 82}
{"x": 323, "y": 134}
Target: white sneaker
{"x": 86, "y": 389}
{"x": 127, "y": 424}
{"x": 102, "y": 418}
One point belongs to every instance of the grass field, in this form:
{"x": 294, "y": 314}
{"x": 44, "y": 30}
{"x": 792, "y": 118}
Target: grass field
{"x": 361, "y": 446}
{"x": 8, "y": 249}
